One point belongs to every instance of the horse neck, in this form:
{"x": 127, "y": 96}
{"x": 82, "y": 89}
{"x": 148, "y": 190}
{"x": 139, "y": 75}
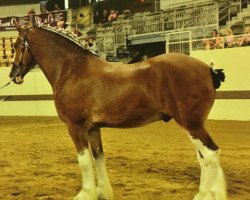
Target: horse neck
{"x": 53, "y": 55}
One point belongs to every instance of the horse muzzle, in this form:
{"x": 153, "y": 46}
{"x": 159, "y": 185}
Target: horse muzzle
{"x": 18, "y": 79}
{"x": 15, "y": 74}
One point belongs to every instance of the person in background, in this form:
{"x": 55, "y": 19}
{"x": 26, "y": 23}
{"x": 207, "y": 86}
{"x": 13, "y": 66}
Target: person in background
{"x": 91, "y": 44}
{"x": 229, "y": 39}
{"x": 104, "y": 17}
{"x": 112, "y": 16}
{"x": 31, "y": 14}
{"x": 43, "y": 6}
{"x": 44, "y": 9}
{"x": 210, "y": 43}
{"x": 245, "y": 39}
{"x": 76, "y": 33}
{"x": 219, "y": 44}
{"x": 32, "y": 11}
{"x": 61, "y": 24}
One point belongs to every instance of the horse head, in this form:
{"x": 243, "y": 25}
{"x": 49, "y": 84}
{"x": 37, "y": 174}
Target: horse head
{"x": 23, "y": 59}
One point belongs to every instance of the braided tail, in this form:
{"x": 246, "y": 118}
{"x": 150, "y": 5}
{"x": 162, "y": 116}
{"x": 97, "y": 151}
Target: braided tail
{"x": 218, "y": 76}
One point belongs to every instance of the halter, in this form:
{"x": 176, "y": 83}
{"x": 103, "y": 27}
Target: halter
{"x": 24, "y": 46}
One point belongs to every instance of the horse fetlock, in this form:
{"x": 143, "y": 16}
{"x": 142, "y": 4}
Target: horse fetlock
{"x": 87, "y": 195}
{"x": 210, "y": 195}
{"x": 104, "y": 192}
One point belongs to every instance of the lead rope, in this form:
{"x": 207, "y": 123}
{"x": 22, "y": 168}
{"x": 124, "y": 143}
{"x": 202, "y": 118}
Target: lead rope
{"x": 5, "y": 98}
{"x": 18, "y": 70}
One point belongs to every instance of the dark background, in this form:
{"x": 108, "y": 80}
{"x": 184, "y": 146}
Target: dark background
{"x": 134, "y": 5}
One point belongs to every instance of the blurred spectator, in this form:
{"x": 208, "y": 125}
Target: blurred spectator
{"x": 211, "y": 43}
{"x": 53, "y": 5}
{"x": 245, "y": 39}
{"x": 76, "y": 32}
{"x": 44, "y": 9}
{"x": 219, "y": 43}
{"x": 52, "y": 22}
{"x": 206, "y": 44}
{"x": 91, "y": 44}
{"x": 43, "y": 6}
{"x": 104, "y": 17}
{"x": 229, "y": 39}
{"x": 112, "y": 16}
{"x": 31, "y": 14}
{"x": 32, "y": 11}
{"x": 61, "y": 24}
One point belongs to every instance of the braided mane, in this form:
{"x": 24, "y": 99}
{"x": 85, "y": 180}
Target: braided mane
{"x": 67, "y": 35}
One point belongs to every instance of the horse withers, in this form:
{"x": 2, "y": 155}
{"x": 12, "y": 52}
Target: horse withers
{"x": 90, "y": 93}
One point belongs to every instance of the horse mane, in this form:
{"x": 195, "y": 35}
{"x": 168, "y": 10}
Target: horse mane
{"x": 67, "y": 35}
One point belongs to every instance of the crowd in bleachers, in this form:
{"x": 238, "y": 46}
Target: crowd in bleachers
{"x": 109, "y": 19}
{"x": 217, "y": 41}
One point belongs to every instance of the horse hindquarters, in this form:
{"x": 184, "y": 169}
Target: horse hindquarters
{"x": 191, "y": 100}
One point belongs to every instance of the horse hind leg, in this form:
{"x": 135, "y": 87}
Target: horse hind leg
{"x": 212, "y": 181}
{"x": 104, "y": 189}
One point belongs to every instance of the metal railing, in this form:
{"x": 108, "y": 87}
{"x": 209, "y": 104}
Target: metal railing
{"x": 179, "y": 42}
{"x": 231, "y": 9}
{"x": 175, "y": 19}
{"x": 199, "y": 19}
{"x": 182, "y": 42}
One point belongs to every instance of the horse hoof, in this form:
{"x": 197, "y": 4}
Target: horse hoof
{"x": 86, "y": 195}
{"x": 105, "y": 194}
{"x": 103, "y": 197}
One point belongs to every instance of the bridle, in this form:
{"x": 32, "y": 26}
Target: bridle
{"x": 24, "y": 46}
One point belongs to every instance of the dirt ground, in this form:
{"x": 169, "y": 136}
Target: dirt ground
{"x": 155, "y": 162}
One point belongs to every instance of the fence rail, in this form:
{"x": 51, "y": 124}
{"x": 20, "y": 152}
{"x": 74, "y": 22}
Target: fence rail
{"x": 198, "y": 19}
{"x": 182, "y": 42}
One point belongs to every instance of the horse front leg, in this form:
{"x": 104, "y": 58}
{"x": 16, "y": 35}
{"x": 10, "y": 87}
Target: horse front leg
{"x": 104, "y": 189}
{"x": 79, "y": 134}
{"x": 212, "y": 181}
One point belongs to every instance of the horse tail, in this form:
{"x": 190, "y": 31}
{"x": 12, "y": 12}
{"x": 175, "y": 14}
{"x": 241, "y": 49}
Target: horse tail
{"x": 218, "y": 76}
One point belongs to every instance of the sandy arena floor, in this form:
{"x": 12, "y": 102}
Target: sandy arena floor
{"x": 155, "y": 162}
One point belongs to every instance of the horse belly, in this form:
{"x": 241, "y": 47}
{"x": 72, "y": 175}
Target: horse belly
{"x": 130, "y": 111}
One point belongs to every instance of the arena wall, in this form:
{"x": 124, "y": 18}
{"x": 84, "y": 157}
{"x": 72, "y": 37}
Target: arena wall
{"x": 18, "y": 10}
{"x": 233, "y": 97}
{"x": 34, "y": 96}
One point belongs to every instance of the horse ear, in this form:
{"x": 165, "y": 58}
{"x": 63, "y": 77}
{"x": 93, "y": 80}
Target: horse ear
{"x": 18, "y": 27}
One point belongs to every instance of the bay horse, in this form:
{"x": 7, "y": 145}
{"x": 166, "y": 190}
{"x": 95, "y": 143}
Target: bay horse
{"x": 91, "y": 93}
